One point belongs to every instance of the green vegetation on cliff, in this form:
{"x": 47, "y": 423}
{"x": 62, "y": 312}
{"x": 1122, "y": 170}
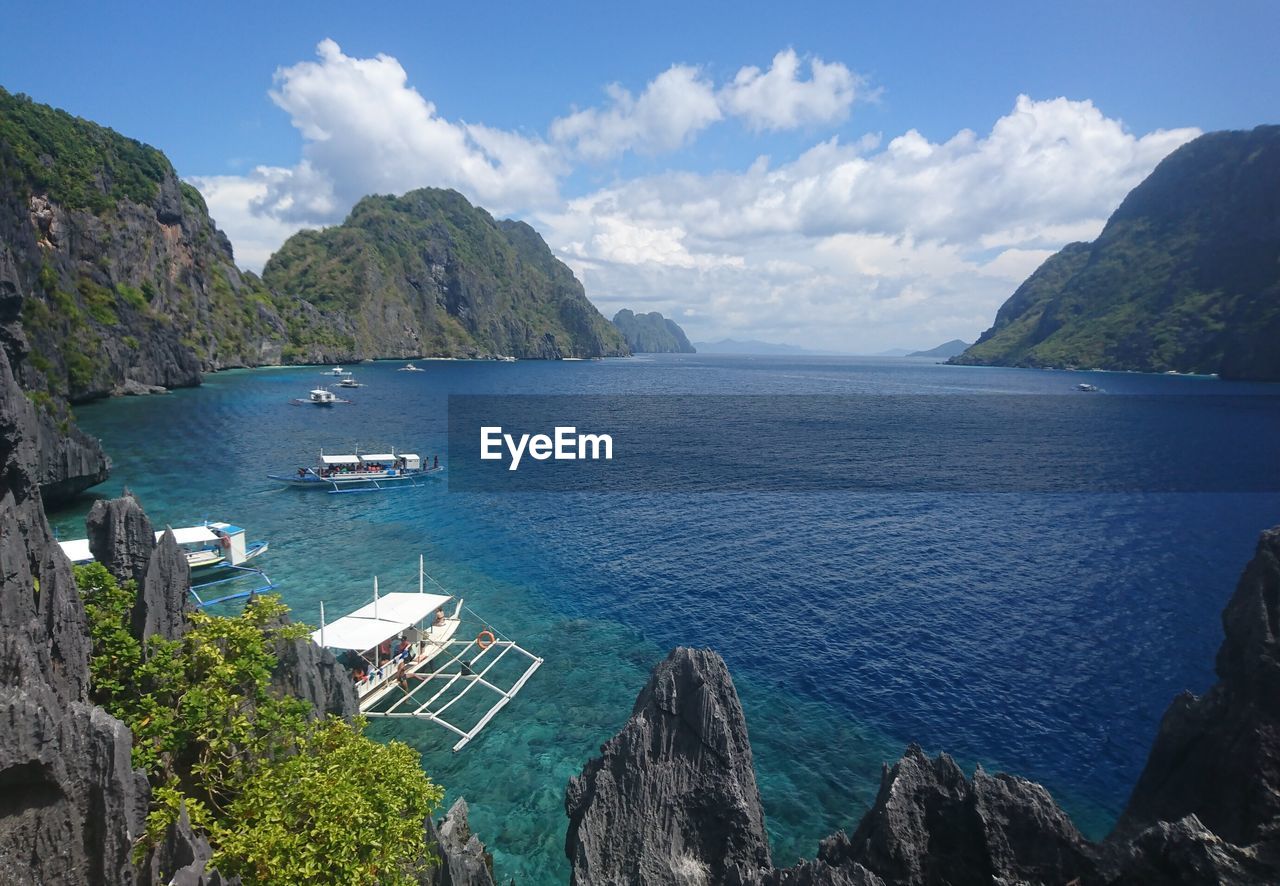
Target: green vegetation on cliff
{"x": 1185, "y": 276}
{"x": 429, "y": 274}
{"x": 283, "y": 798}
{"x": 652, "y": 333}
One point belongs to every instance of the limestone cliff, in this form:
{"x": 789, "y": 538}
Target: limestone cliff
{"x": 652, "y": 333}
{"x": 673, "y": 797}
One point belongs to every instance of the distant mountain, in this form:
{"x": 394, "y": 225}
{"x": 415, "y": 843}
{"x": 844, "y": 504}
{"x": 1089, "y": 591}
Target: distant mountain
{"x": 428, "y": 274}
{"x": 652, "y": 333}
{"x": 946, "y": 349}
{"x": 892, "y": 352}
{"x": 1185, "y": 276}
{"x": 750, "y": 346}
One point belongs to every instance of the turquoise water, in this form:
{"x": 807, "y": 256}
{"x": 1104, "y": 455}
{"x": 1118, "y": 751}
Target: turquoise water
{"x": 1042, "y": 634}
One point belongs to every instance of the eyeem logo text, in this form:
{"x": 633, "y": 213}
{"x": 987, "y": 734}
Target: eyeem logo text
{"x": 566, "y": 444}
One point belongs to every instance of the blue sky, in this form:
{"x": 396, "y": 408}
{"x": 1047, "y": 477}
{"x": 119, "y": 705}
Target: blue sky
{"x": 830, "y": 198}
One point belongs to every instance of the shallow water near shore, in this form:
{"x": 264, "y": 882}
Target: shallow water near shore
{"x": 1039, "y": 634}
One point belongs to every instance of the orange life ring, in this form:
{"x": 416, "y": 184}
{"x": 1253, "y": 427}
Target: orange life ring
{"x": 485, "y": 639}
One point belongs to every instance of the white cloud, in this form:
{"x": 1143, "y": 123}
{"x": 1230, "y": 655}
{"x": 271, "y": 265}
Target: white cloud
{"x": 779, "y": 99}
{"x": 858, "y": 248}
{"x": 675, "y": 105}
{"x": 852, "y": 244}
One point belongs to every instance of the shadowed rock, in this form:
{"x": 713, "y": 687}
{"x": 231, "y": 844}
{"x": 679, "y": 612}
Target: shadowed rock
{"x": 312, "y": 673}
{"x": 673, "y": 797}
{"x": 181, "y": 858}
{"x": 463, "y": 860}
{"x": 1218, "y": 756}
{"x": 164, "y": 596}
{"x": 929, "y": 824}
{"x": 121, "y": 537}
{"x": 70, "y": 804}
{"x": 1188, "y": 852}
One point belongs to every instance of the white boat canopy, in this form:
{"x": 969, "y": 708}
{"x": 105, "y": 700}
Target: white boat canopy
{"x": 384, "y": 457}
{"x": 189, "y": 535}
{"x": 340, "y": 459}
{"x": 380, "y": 620}
{"x": 77, "y": 549}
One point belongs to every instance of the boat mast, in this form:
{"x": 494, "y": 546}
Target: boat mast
{"x": 421, "y": 572}
{"x": 322, "y": 623}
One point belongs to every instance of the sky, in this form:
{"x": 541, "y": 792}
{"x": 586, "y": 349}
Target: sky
{"x": 846, "y": 176}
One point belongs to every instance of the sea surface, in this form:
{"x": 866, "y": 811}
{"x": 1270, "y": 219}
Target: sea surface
{"x": 1041, "y": 634}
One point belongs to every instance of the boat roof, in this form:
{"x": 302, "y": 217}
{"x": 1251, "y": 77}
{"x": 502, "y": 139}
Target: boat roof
{"x": 340, "y": 459}
{"x": 361, "y": 630}
{"x": 77, "y": 549}
{"x": 386, "y": 456}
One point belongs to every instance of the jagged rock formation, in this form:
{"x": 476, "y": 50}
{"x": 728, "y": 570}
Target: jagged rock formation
{"x": 70, "y": 803}
{"x": 673, "y": 796}
{"x": 1185, "y": 276}
{"x": 430, "y": 274}
{"x": 305, "y": 670}
{"x": 652, "y": 333}
{"x": 463, "y": 860}
{"x": 1218, "y": 757}
{"x": 122, "y": 540}
{"x": 1205, "y": 810}
{"x": 182, "y": 859}
{"x": 929, "y": 824}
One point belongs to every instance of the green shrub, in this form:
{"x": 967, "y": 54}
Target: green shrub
{"x": 283, "y": 799}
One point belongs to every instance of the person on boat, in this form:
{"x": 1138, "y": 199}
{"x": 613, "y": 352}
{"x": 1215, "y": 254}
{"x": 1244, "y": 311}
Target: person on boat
{"x": 302, "y": 472}
{"x": 439, "y": 620}
{"x": 385, "y": 649}
{"x": 436, "y": 462}
{"x": 404, "y": 675}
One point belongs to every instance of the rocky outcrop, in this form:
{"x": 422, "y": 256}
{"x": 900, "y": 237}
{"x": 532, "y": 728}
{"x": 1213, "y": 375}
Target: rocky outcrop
{"x": 181, "y": 858}
{"x": 652, "y": 333}
{"x": 1205, "y": 810}
{"x": 673, "y": 796}
{"x": 70, "y": 803}
{"x": 461, "y": 859}
{"x": 1218, "y": 756}
{"x": 122, "y": 540}
{"x": 929, "y": 824}
{"x": 307, "y": 671}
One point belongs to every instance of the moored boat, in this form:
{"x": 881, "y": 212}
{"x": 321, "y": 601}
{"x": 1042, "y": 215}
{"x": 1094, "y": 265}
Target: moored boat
{"x": 349, "y": 382}
{"x": 206, "y": 546}
{"x": 319, "y": 397}
{"x": 405, "y": 659}
{"x": 409, "y": 367}
{"x": 362, "y": 472}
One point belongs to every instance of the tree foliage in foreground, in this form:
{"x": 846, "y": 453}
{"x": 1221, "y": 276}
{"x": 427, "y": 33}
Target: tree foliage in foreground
{"x": 283, "y": 798}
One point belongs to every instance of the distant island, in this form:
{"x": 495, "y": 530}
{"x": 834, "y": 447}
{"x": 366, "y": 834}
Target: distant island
{"x": 946, "y": 349}
{"x": 652, "y": 333}
{"x": 1185, "y": 276}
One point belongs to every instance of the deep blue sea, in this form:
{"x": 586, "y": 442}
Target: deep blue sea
{"x": 1042, "y": 634}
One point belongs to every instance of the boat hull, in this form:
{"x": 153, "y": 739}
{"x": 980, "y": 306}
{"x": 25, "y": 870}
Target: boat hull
{"x": 358, "y": 482}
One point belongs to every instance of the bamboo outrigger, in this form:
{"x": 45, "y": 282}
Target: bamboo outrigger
{"x": 406, "y": 662}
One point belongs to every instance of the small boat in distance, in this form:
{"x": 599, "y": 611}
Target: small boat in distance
{"x": 404, "y": 660}
{"x": 349, "y": 382}
{"x": 337, "y": 370}
{"x": 409, "y": 367}
{"x": 1086, "y": 387}
{"x": 319, "y": 397}
{"x": 362, "y": 472}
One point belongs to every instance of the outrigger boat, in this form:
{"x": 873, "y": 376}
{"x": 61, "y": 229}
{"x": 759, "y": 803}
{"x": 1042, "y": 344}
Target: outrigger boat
{"x": 409, "y": 367}
{"x": 350, "y": 382}
{"x": 406, "y": 661}
{"x": 319, "y": 397}
{"x": 337, "y": 370}
{"x": 362, "y": 472}
{"x": 209, "y": 547}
